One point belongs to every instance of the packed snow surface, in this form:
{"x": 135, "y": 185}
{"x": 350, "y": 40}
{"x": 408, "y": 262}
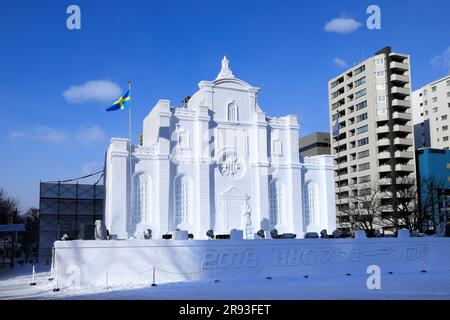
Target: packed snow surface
{"x": 15, "y": 284}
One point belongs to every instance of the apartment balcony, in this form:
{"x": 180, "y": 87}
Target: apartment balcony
{"x": 402, "y": 116}
{"x": 399, "y": 78}
{"x": 405, "y": 181}
{"x": 403, "y": 142}
{"x": 400, "y": 128}
{"x": 382, "y": 118}
{"x": 385, "y": 182}
{"x": 404, "y": 167}
{"x": 383, "y": 129}
{"x": 385, "y": 168}
{"x": 401, "y": 103}
{"x": 401, "y": 91}
{"x": 383, "y": 143}
{"x": 404, "y": 154}
{"x": 341, "y": 177}
{"x": 341, "y": 201}
{"x": 399, "y": 66}
{"x": 384, "y": 155}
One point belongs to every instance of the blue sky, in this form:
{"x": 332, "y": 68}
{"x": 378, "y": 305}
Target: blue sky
{"x": 166, "y": 48}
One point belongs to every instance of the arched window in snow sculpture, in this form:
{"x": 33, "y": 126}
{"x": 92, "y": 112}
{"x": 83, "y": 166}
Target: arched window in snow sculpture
{"x": 310, "y": 203}
{"x": 233, "y": 112}
{"x": 141, "y": 198}
{"x": 183, "y": 201}
{"x": 275, "y": 203}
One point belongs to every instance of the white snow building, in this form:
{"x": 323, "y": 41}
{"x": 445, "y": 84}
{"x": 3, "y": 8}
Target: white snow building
{"x": 218, "y": 163}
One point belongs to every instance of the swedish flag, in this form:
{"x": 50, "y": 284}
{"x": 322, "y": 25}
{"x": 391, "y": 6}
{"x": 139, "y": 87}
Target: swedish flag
{"x": 121, "y": 103}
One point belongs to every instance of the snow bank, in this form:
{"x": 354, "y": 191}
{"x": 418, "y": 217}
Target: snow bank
{"x": 124, "y": 262}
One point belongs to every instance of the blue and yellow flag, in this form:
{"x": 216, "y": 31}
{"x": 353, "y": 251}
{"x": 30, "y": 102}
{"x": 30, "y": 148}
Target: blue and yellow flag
{"x": 121, "y": 103}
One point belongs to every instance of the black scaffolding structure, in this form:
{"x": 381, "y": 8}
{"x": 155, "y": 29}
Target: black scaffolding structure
{"x": 68, "y": 208}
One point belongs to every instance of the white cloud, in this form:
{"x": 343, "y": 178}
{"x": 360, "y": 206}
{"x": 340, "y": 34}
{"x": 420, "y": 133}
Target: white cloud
{"x": 86, "y": 135}
{"x": 442, "y": 60}
{"x": 90, "y": 135}
{"x": 340, "y": 63}
{"x": 342, "y": 25}
{"x": 93, "y": 91}
{"x": 40, "y": 133}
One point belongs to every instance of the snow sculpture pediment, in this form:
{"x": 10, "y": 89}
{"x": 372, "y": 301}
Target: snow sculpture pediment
{"x": 234, "y": 192}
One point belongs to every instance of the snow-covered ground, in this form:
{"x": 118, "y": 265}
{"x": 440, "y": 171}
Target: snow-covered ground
{"x": 15, "y": 284}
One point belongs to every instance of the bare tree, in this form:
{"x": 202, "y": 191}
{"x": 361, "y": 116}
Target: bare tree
{"x": 365, "y": 208}
{"x": 9, "y": 212}
{"x": 31, "y": 236}
{"x": 410, "y": 212}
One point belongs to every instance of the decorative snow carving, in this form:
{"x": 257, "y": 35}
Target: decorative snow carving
{"x": 225, "y": 72}
{"x": 231, "y": 167}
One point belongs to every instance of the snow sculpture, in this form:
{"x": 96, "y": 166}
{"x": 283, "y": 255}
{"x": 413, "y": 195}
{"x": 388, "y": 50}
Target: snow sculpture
{"x": 100, "y": 230}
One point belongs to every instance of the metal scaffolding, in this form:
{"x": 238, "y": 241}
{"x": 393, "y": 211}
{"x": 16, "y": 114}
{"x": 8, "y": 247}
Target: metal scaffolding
{"x": 67, "y": 208}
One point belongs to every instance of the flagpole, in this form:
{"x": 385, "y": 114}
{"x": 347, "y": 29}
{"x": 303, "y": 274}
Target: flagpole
{"x": 130, "y": 153}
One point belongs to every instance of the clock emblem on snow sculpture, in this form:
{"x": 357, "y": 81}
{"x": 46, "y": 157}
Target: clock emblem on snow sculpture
{"x": 230, "y": 165}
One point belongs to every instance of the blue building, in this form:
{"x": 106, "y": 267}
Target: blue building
{"x": 433, "y": 182}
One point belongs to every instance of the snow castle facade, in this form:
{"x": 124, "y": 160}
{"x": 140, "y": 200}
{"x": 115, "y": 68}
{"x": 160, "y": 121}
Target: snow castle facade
{"x": 218, "y": 163}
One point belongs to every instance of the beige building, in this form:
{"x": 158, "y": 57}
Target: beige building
{"x": 315, "y": 144}
{"x": 431, "y": 114}
{"x": 374, "y": 146}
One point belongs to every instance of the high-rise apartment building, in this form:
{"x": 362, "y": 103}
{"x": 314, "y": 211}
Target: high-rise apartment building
{"x": 431, "y": 115}
{"x": 374, "y": 146}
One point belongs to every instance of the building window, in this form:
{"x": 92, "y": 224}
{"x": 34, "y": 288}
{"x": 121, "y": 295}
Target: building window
{"x": 381, "y": 99}
{"x": 434, "y": 99}
{"x": 363, "y": 154}
{"x": 361, "y": 105}
{"x": 364, "y": 179}
{"x": 183, "y": 202}
{"x": 379, "y": 74}
{"x": 445, "y": 139}
{"x": 444, "y": 128}
{"x": 363, "y": 142}
{"x": 360, "y": 81}
{"x": 233, "y": 112}
{"x": 362, "y": 129}
{"x": 379, "y": 61}
{"x": 444, "y": 117}
{"x": 276, "y": 203}
{"x": 141, "y": 198}
{"x": 361, "y": 117}
{"x": 448, "y": 83}
{"x": 360, "y": 69}
{"x": 433, "y": 89}
{"x": 360, "y": 94}
{"x": 435, "y": 109}
{"x": 381, "y": 86}
{"x": 310, "y": 203}
{"x": 382, "y": 111}
{"x": 364, "y": 166}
